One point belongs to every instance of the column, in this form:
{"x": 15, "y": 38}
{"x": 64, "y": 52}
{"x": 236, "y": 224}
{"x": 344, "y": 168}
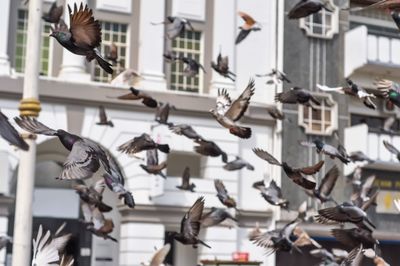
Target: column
{"x": 151, "y": 45}
{"x": 73, "y": 66}
{"x": 4, "y": 19}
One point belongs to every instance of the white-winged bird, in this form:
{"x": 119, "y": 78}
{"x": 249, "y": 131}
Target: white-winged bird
{"x": 142, "y": 143}
{"x": 323, "y": 193}
{"x": 327, "y": 149}
{"x": 272, "y": 194}
{"x": 96, "y": 223}
{"x": 152, "y": 166}
{"x": 136, "y": 94}
{"x": 85, "y": 155}
{"x": 83, "y": 37}
{"x": 297, "y": 95}
{"x": 304, "y": 8}
{"x": 295, "y": 174}
{"x": 228, "y": 113}
{"x": 190, "y": 225}
{"x": 185, "y": 130}
{"x": 222, "y": 67}
{"x": 249, "y": 25}
{"x": 103, "y": 118}
{"x": 192, "y": 66}
{"x": 54, "y": 14}
{"x": 159, "y": 256}
{"x": 186, "y": 185}
{"x": 216, "y": 216}
{"x": 223, "y": 195}
{"x": 238, "y": 164}
{"x": 210, "y": 148}
{"x": 10, "y": 134}
{"x": 92, "y": 195}
{"x": 275, "y": 77}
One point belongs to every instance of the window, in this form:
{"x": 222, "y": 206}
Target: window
{"x": 323, "y": 24}
{"x": 178, "y": 160}
{"x": 20, "y": 46}
{"x": 112, "y": 33}
{"x": 188, "y": 44}
{"x": 322, "y": 120}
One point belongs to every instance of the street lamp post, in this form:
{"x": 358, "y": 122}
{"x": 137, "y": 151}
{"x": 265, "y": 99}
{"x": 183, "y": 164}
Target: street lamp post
{"x": 29, "y": 106}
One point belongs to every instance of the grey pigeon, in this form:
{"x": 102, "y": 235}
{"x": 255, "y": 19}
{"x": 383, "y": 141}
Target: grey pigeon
{"x": 216, "y": 216}
{"x": 297, "y": 95}
{"x": 152, "y": 166}
{"x": 54, "y": 14}
{"x": 185, "y": 130}
{"x": 209, "y": 148}
{"x": 276, "y": 77}
{"x": 272, "y": 194}
{"x": 186, "y": 185}
{"x": 327, "y": 149}
{"x": 142, "y": 143}
{"x": 304, "y": 8}
{"x": 359, "y": 156}
{"x": 176, "y": 26}
{"x": 136, "y": 94}
{"x": 392, "y": 149}
{"x": 92, "y": 194}
{"x": 238, "y": 164}
{"x": 353, "y": 237}
{"x": 323, "y": 193}
{"x": 222, "y": 67}
{"x": 10, "y": 134}
{"x": 192, "y": 66}
{"x": 223, "y": 195}
{"x": 162, "y": 113}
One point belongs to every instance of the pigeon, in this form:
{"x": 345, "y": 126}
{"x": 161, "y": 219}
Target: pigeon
{"x": 238, "y": 164}
{"x": 389, "y": 90}
{"x": 170, "y": 57}
{"x": 185, "y": 130}
{"x": 85, "y": 155}
{"x": 152, "y": 166}
{"x": 141, "y": 143}
{"x": 354, "y": 90}
{"x": 192, "y": 66}
{"x": 397, "y": 204}
{"x": 4, "y": 240}
{"x": 47, "y": 248}
{"x": 222, "y": 67}
{"x": 162, "y": 113}
{"x": 276, "y": 77}
{"x": 303, "y": 238}
{"x": 115, "y": 181}
{"x": 391, "y": 5}
{"x": 209, "y": 148}
{"x": 297, "y": 95}
{"x": 359, "y": 156}
{"x": 96, "y": 223}
{"x": 392, "y": 149}
{"x": 249, "y": 25}
{"x": 295, "y": 174}
{"x": 327, "y": 149}
{"x": 272, "y": 194}
{"x": 354, "y": 258}
{"x": 223, "y": 196}
{"x": 176, "y": 26}
{"x": 159, "y": 256}
{"x": 83, "y": 36}
{"x": 128, "y": 77}
{"x": 112, "y": 54}
{"x": 103, "y": 118}
{"x": 216, "y": 216}
{"x": 329, "y": 258}
{"x": 186, "y": 185}
{"x": 304, "y": 8}
{"x": 227, "y": 113}
{"x": 10, "y": 134}
{"x": 345, "y": 212}
{"x": 255, "y": 232}
{"x": 327, "y": 184}
{"x": 135, "y": 94}
{"x": 92, "y": 195}
{"x": 276, "y": 114}
{"x": 356, "y": 236}
{"x": 190, "y": 225}
{"x": 54, "y": 14}
{"x": 388, "y": 124}
{"x": 364, "y": 192}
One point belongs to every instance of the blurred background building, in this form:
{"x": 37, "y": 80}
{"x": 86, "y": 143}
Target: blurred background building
{"x": 71, "y": 91}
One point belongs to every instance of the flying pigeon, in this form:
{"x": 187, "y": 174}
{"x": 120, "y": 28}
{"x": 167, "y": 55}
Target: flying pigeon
{"x": 54, "y": 14}
{"x": 83, "y": 37}
{"x": 222, "y": 67}
{"x": 304, "y": 8}
{"x": 327, "y": 149}
{"x": 356, "y": 236}
{"x": 276, "y": 77}
{"x": 185, "y": 130}
{"x": 223, "y": 195}
{"x": 392, "y": 149}
{"x": 354, "y": 258}
{"x": 297, "y": 95}
{"x": 159, "y": 256}
{"x": 10, "y": 134}
{"x": 272, "y": 194}
{"x": 103, "y": 118}
{"x": 190, "y": 225}
{"x": 295, "y": 174}
{"x": 209, "y": 148}
{"x": 186, "y": 185}
{"x": 276, "y": 114}
{"x": 176, "y": 26}
{"x": 326, "y": 186}
{"x": 135, "y": 94}
{"x": 162, "y": 113}
{"x": 238, "y": 164}
{"x": 128, "y": 77}
{"x": 397, "y": 204}
{"x": 92, "y": 195}
{"x": 141, "y": 143}
{"x": 249, "y": 25}
{"x": 85, "y": 155}
{"x": 228, "y": 113}
{"x": 216, "y": 216}
{"x": 152, "y": 166}
{"x": 359, "y": 156}
{"x": 192, "y": 66}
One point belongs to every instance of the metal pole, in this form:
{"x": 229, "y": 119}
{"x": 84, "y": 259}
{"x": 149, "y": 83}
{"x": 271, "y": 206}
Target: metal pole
{"x": 29, "y": 106}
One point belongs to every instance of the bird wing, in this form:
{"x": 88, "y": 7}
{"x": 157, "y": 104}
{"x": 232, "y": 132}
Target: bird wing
{"x": 81, "y": 162}
{"x": 223, "y": 102}
{"x": 220, "y": 187}
{"x": 99, "y": 186}
{"x": 85, "y": 30}
{"x": 265, "y": 239}
{"x": 326, "y": 88}
{"x": 274, "y": 186}
{"x": 390, "y": 147}
{"x": 287, "y": 96}
{"x": 55, "y": 11}
{"x": 32, "y": 125}
{"x": 332, "y": 214}
{"x": 372, "y": 200}
{"x": 190, "y": 224}
{"x": 266, "y": 156}
{"x": 43, "y": 252}
{"x": 249, "y": 21}
{"x": 136, "y": 144}
{"x": 354, "y": 258}
{"x": 160, "y": 255}
{"x": 329, "y": 181}
{"x": 240, "y": 105}
{"x": 67, "y": 261}
{"x": 186, "y": 177}
{"x": 152, "y": 157}
{"x": 310, "y": 170}
{"x": 241, "y": 36}
{"x": 9, "y": 133}
{"x": 307, "y": 144}
{"x": 102, "y": 114}
{"x": 175, "y": 29}
{"x": 115, "y": 171}
{"x": 303, "y": 238}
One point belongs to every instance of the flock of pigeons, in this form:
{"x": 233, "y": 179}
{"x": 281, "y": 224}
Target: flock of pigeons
{"x": 87, "y": 157}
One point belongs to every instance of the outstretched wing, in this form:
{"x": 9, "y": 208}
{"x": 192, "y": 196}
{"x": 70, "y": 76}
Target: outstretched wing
{"x": 266, "y": 156}
{"x": 310, "y": 170}
{"x": 326, "y": 88}
{"x": 240, "y": 105}
{"x": 220, "y": 187}
{"x": 190, "y": 224}
{"x": 160, "y": 255}
{"x": 390, "y": 147}
{"x": 10, "y": 134}
{"x": 32, "y": 125}
{"x": 223, "y": 102}
{"x": 248, "y": 19}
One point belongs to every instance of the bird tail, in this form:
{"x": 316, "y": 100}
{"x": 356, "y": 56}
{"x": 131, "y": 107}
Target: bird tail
{"x": 162, "y": 175}
{"x": 250, "y": 167}
{"x": 110, "y": 123}
{"x": 204, "y": 244}
{"x": 103, "y": 63}
{"x": 241, "y": 132}
{"x": 163, "y": 147}
{"x": 128, "y": 199}
{"x": 343, "y": 159}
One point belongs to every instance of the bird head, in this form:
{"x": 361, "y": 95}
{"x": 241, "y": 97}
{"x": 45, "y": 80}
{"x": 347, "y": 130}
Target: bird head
{"x": 318, "y": 143}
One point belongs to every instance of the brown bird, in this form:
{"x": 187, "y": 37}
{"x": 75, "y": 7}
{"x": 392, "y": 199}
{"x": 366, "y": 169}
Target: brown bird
{"x": 222, "y": 67}
{"x": 112, "y": 54}
{"x": 139, "y": 95}
{"x": 152, "y": 166}
{"x": 185, "y": 130}
{"x": 227, "y": 113}
{"x": 159, "y": 256}
{"x": 190, "y": 226}
{"x": 92, "y": 195}
{"x": 54, "y": 14}
{"x": 249, "y": 25}
{"x": 296, "y": 174}
{"x": 323, "y": 193}
{"x": 209, "y": 148}
{"x": 96, "y": 223}
{"x": 142, "y": 143}
{"x": 303, "y": 238}
{"x": 128, "y": 77}
{"x": 186, "y": 185}
{"x": 83, "y": 37}
{"x": 103, "y": 118}
{"x": 275, "y": 113}
{"x": 297, "y": 95}
{"x": 223, "y": 196}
